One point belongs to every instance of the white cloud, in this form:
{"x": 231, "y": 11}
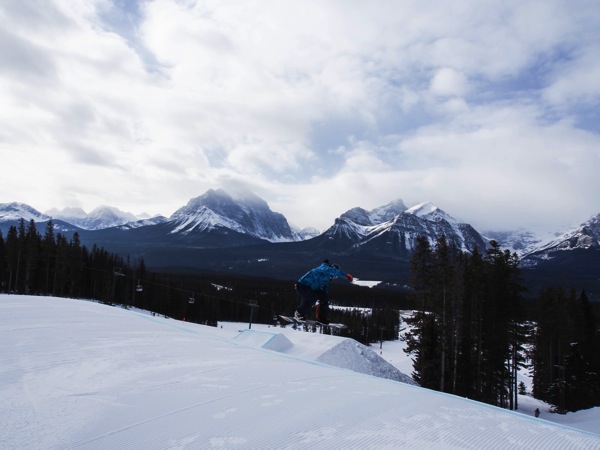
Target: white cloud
{"x": 576, "y": 82}
{"x": 474, "y": 105}
{"x": 449, "y": 82}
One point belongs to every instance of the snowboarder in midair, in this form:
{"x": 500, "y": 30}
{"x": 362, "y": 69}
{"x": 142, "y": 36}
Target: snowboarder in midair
{"x": 313, "y": 286}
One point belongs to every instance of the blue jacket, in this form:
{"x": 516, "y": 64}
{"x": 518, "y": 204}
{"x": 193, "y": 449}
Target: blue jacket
{"x": 318, "y": 278}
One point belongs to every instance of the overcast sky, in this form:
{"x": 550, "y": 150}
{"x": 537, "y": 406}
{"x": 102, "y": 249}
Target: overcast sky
{"x": 488, "y": 109}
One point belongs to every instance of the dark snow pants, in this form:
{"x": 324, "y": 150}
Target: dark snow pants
{"x": 308, "y": 297}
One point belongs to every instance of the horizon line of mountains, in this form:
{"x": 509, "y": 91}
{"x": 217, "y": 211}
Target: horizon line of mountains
{"x": 240, "y": 233}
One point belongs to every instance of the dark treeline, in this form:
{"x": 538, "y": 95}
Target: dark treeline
{"x": 51, "y": 264}
{"x": 566, "y": 354}
{"x": 471, "y": 333}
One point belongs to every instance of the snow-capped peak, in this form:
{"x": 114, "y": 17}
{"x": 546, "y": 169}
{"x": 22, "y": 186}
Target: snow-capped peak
{"x": 67, "y": 213}
{"x": 387, "y": 212}
{"x": 429, "y": 211}
{"x": 246, "y": 214}
{"x": 377, "y": 215}
{"x": 422, "y": 209}
{"x": 17, "y": 211}
{"x": 110, "y": 213}
{"x": 394, "y": 228}
{"x": 586, "y": 236}
{"x": 100, "y": 218}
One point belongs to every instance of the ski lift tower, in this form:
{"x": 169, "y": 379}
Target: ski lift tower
{"x": 252, "y": 305}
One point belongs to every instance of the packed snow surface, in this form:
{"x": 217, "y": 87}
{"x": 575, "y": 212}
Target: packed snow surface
{"x": 80, "y": 375}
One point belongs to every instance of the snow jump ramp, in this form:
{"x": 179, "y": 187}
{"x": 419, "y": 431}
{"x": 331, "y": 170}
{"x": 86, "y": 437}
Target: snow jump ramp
{"x": 344, "y": 353}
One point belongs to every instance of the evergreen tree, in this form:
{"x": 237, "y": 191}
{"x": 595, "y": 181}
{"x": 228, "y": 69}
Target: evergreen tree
{"x": 13, "y": 258}
{"x": 469, "y": 374}
{"x": 3, "y": 265}
{"x": 32, "y": 251}
{"x": 423, "y": 339}
{"x": 501, "y": 309}
{"x": 566, "y": 361}
{"x": 584, "y": 366}
{"x": 75, "y": 257}
{"x": 48, "y": 249}
{"x": 465, "y": 338}
{"x": 61, "y": 266}
{"x": 553, "y": 335}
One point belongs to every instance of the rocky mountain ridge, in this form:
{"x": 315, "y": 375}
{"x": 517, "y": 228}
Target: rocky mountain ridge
{"x": 586, "y": 236}
{"x": 216, "y": 209}
{"x": 251, "y": 215}
{"x": 220, "y": 232}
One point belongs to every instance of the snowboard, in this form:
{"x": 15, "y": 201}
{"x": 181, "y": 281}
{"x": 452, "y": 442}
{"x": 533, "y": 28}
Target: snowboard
{"x": 337, "y": 326}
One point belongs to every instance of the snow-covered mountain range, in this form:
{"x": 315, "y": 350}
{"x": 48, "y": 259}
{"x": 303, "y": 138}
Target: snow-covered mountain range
{"x": 214, "y": 210}
{"x": 248, "y": 214}
{"x": 586, "y": 236}
{"x": 395, "y": 228}
{"x": 521, "y": 242}
{"x": 377, "y": 241}
{"x": 100, "y": 218}
{"x": 10, "y": 212}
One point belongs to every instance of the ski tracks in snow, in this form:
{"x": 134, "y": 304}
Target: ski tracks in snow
{"x": 101, "y": 377}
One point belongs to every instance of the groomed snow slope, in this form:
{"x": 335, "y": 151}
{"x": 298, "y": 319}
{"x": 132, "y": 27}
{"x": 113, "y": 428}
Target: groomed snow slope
{"x": 81, "y": 375}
